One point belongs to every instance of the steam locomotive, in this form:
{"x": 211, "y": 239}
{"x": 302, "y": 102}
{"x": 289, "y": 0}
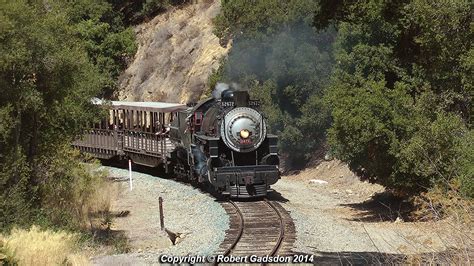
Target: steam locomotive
{"x": 223, "y": 141}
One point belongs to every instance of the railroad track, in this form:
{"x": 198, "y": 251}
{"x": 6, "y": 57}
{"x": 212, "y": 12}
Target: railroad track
{"x": 258, "y": 228}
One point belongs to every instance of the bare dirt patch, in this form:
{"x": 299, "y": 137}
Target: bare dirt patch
{"x": 352, "y": 220}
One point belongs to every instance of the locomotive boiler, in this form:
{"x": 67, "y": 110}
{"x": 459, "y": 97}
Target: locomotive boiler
{"x": 223, "y": 142}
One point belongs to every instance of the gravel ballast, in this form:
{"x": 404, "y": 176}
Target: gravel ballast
{"x": 327, "y": 206}
{"x": 189, "y": 212}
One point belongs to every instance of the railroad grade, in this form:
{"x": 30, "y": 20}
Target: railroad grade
{"x": 258, "y": 228}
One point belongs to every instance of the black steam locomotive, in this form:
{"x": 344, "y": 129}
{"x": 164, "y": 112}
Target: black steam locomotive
{"x": 223, "y": 141}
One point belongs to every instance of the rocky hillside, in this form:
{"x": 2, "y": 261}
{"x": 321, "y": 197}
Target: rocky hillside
{"x": 177, "y": 52}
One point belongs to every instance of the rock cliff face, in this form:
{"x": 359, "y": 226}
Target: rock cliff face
{"x": 176, "y": 54}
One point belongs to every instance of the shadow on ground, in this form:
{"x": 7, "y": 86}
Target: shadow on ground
{"x": 381, "y": 207}
{"x": 113, "y": 238}
{"x": 276, "y": 196}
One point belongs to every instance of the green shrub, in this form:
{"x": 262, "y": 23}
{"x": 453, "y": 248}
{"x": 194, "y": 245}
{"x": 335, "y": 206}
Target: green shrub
{"x": 109, "y": 44}
{"x": 68, "y": 189}
{"x": 47, "y": 80}
{"x": 15, "y": 203}
{"x": 401, "y": 92}
{"x": 150, "y": 7}
{"x": 466, "y": 159}
{"x": 261, "y": 17}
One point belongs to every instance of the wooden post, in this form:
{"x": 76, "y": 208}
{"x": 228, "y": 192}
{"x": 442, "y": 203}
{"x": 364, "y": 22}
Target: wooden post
{"x": 162, "y": 221}
{"x": 152, "y": 122}
{"x": 130, "y": 174}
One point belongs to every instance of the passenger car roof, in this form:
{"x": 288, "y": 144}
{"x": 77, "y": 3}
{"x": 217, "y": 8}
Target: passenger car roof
{"x": 143, "y": 106}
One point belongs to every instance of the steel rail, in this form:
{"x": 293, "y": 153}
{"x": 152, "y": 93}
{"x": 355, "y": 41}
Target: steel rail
{"x": 282, "y": 229}
{"x": 241, "y": 217}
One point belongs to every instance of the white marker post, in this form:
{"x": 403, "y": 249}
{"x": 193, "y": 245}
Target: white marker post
{"x": 130, "y": 173}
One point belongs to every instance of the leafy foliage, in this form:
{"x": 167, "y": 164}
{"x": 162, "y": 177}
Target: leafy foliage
{"x": 68, "y": 188}
{"x": 401, "y": 92}
{"x": 466, "y": 167}
{"x": 107, "y": 41}
{"x": 137, "y": 11}
{"x": 149, "y": 7}
{"x": 47, "y": 81}
{"x": 257, "y": 18}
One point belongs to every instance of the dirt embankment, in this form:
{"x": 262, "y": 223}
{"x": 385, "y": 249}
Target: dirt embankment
{"x": 176, "y": 54}
{"x": 343, "y": 220}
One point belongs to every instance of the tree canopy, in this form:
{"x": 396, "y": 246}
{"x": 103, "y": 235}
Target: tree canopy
{"x": 388, "y": 84}
{"x": 54, "y": 57}
{"x": 401, "y": 91}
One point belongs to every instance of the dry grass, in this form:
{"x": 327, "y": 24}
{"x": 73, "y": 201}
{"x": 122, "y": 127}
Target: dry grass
{"x": 91, "y": 205}
{"x": 96, "y": 209}
{"x": 42, "y": 247}
{"x": 455, "y": 214}
{"x": 97, "y": 217}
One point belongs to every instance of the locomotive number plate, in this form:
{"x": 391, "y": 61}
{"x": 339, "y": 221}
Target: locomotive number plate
{"x": 252, "y": 103}
{"x": 245, "y": 141}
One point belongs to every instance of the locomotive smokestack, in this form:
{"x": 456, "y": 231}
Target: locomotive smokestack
{"x": 220, "y": 87}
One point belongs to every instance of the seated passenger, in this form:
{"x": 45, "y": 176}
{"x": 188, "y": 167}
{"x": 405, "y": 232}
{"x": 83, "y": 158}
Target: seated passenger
{"x": 164, "y": 131}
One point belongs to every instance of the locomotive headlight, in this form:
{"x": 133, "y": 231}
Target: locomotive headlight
{"x": 244, "y": 133}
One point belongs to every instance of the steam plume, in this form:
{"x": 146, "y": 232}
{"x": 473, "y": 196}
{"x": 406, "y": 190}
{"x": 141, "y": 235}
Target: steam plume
{"x": 220, "y": 87}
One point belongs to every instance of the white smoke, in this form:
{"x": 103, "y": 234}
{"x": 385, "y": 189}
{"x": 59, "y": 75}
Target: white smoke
{"x": 220, "y": 87}
{"x": 236, "y": 87}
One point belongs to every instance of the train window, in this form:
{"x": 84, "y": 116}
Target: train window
{"x": 155, "y": 122}
{"x": 182, "y": 119}
{"x": 119, "y": 117}
{"x": 134, "y": 119}
{"x": 127, "y": 119}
